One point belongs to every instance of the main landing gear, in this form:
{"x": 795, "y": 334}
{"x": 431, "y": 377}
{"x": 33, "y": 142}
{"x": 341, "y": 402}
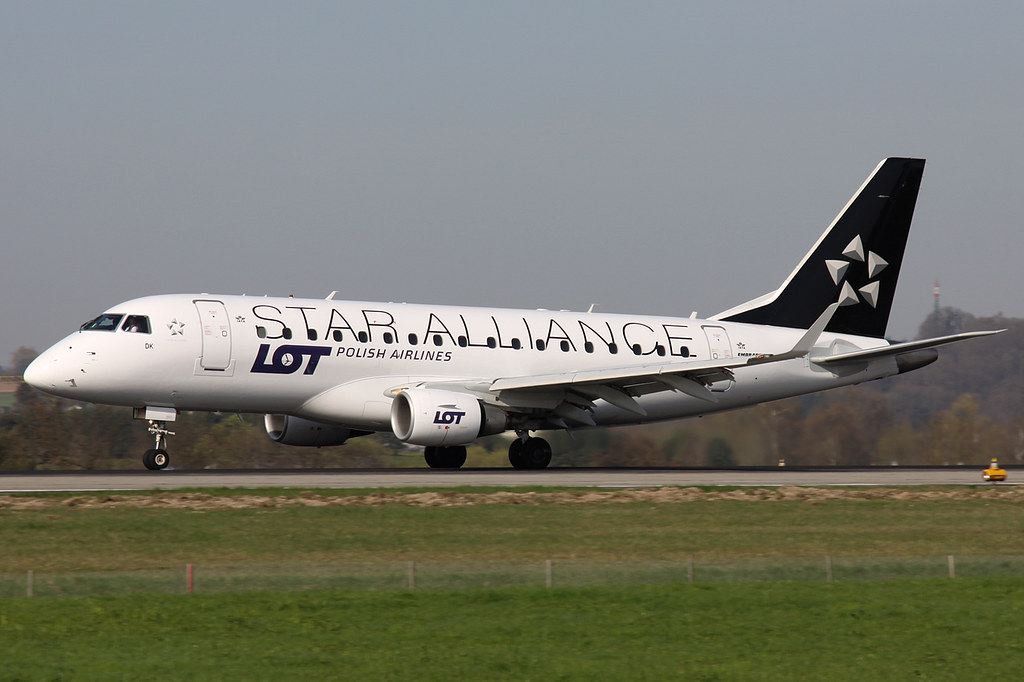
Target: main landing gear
{"x": 523, "y": 453}
{"x": 440, "y": 457}
{"x": 529, "y": 453}
{"x": 157, "y": 458}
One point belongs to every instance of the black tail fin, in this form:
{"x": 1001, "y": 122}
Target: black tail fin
{"x": 857, "y": 261}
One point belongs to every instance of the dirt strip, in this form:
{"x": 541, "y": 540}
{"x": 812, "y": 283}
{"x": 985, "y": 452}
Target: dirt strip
{"x": 197, "y": 501}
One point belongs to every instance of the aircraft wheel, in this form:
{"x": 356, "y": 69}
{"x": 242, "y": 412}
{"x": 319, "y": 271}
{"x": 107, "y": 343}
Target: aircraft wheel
{"x": 156, "y": 459}
{"x": 161, "y": 459}
{"x": 535, "y": 453}
{"x": 451, "y": 457}
{"x": 515, "y": 454}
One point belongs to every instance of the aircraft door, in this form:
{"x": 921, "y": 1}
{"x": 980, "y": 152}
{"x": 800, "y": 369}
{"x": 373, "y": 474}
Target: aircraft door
{"x": 213, "y": 318}
{"x": 718, "y": 342}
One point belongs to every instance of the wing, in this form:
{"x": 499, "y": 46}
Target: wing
{"x": 569, "y": 396}
{"x": 567, "y": 399}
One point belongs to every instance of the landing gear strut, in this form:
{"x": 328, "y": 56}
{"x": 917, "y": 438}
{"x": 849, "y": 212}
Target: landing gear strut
{"x": 157, "y": 458}
{"x": 529, "y": 453}
{"x": 439, "y": 457}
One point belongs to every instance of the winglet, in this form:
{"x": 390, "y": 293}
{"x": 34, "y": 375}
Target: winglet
{"x": 806, "y": 342}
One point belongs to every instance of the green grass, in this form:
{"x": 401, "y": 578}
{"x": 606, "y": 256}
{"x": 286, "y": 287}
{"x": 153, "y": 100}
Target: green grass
{"x": 71, "y": 538}
{"x": 268, "y": 603}
{"x": 938, "y": 629}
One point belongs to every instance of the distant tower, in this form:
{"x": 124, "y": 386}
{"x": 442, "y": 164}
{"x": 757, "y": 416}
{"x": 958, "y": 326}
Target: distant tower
{"x": 936, "y": 293}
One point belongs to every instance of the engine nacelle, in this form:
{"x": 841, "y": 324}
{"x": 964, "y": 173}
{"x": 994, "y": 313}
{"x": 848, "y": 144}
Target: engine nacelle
{"x": 424, "y": 416}
{"x": 290, "y": 430}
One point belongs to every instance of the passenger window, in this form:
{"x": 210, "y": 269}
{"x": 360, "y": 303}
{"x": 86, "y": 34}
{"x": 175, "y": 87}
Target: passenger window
{"x": 136, "y": 324}
{"x": 107, "y": 322}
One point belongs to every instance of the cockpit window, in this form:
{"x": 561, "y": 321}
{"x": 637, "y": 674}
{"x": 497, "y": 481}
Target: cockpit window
{"x": 137, "y": 324}
{"x": 107, "y": 322}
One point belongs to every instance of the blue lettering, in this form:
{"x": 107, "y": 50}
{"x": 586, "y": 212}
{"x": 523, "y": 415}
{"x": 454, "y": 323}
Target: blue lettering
{"x": 448, "y": 417}
{"x": 287, "y": 359}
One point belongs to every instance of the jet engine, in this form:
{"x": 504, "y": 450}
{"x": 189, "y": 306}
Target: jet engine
{"x": 424, "y": 416}
{"x": 297, "y": 431}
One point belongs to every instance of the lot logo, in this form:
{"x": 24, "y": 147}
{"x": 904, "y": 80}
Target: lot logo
{"x": 287, "y": 359}
{"x": 448, "y": 417}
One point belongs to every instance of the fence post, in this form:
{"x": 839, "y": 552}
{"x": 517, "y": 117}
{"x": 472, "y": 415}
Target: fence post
{"x": 30, "y": 585}
{"x": 828, "y": 569}
{"x": 952, "y": 566}
{"x": 548, "y": 575}
{"x": 412, "y": 575}
{"x": 188, "y": 578}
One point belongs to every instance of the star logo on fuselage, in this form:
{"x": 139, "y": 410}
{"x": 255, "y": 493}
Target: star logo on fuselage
{"x": 177, "y": 328}
{"x": 838, "y": 269}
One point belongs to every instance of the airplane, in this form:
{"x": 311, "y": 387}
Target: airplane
{"x": 324, "y": 371}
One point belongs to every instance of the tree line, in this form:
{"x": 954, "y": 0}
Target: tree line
{"x": 967, "y": 408}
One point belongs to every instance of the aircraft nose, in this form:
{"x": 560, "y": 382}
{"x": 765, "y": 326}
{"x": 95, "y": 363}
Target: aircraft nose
{"x": 39, "y": 373}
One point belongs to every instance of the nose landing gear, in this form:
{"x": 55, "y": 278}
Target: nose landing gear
{"x": 157, "y": 458}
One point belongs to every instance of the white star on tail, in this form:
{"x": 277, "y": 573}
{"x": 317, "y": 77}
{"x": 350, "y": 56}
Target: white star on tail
{"x": 837, "y": 270}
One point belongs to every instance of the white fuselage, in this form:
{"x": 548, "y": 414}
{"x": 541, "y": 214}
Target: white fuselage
{"x": 342, "y": 362}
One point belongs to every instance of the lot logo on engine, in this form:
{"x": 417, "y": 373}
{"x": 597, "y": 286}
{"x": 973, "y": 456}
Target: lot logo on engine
{"x": 448, "y": 417}
{"x": 288, "y": 358}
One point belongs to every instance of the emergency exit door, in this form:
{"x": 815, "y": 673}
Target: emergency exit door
{"x": 718, "y": 342}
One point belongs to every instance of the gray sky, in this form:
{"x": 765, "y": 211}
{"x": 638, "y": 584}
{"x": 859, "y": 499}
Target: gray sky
{"x": 648, "y": 157}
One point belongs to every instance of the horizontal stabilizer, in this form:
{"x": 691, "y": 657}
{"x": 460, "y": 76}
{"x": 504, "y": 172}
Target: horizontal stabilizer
{"x": 899, "y": 348}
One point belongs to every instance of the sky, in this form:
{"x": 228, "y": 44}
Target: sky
{"x": 646, "y": 157}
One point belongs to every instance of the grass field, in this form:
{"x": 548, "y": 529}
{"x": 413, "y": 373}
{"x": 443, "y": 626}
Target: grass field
{"x": 898, "y": 630}
{"x": 965, "y": 628}
{"x": 162, "y": 529}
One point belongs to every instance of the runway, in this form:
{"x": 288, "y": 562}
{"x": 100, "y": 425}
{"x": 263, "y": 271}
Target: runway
{"x": 51, "y": 481}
